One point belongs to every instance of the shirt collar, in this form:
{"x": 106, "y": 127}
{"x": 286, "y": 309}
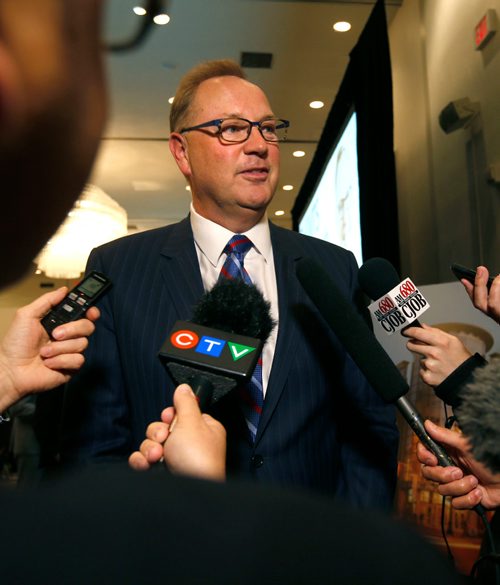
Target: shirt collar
{"x": 211, "y": 238}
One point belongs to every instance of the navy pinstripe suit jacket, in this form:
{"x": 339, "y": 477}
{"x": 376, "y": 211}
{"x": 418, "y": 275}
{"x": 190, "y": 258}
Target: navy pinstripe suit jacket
{"x": 322, "y": 426}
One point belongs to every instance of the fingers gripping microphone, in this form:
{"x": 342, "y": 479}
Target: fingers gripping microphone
{"x": 377, "y": 277}
{"x": 220, "y": 347}
{"x": 364, "y": 349}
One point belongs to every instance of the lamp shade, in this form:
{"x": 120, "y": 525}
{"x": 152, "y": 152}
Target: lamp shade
{"x": 95, "y": 219}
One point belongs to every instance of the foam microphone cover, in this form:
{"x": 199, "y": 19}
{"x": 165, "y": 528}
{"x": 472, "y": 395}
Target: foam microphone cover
{"x": 235, "y": 307}
{"x": 352, "y": 331}
{"x": 479, "y": 414}
{"x": 377, "y": 276}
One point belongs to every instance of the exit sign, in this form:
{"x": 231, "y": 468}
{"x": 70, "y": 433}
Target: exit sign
{"x": 485, "y": 29}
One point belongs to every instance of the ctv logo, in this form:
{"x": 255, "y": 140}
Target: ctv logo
{"x": 208, "y": 345}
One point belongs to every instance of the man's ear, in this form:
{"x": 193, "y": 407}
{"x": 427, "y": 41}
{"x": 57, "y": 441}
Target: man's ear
{"x": 179, "y": 149}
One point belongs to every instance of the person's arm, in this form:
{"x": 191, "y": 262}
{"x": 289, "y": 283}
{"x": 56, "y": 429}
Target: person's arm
{"x": 470, "y": 482}
{"x": 442, "y": 353}
{"x": 486, "y": 301}
{"x": 195, "y": 445}
{"x": 30, "y": 361}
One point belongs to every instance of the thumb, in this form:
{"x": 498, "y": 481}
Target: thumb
{"x": 185, "y": 402}
{"x": 445, "y": 436}
{"x": 42, "y": 305}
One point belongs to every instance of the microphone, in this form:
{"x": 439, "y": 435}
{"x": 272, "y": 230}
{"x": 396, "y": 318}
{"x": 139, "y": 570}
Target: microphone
{"x": 376, "y": 277}
{"x": 220, "y": 347}
{"x": 396, "y": 304}
{"x": 364, "y": 349}
{"x": 479, "y": 414}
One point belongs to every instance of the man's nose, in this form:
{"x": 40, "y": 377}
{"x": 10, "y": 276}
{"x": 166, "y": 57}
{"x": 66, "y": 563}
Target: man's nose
{"x": 255, "y": 142}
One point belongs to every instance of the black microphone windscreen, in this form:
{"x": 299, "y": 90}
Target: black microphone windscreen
{"x": 235, "y": 307}
{"x": 377, "y": 276}
{"x": 352, "y": 331}
{"x": 479, "y": 414}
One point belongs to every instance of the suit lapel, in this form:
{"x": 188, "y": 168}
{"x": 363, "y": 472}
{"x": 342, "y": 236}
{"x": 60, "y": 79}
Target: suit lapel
{"x": 286, "y": 253}
{"x": 180, "y": 269}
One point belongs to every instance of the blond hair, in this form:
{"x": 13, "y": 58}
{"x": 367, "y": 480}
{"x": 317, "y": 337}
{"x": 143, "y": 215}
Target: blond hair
{"x": 190, "y": 83}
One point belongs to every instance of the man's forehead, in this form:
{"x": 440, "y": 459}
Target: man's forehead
{"x": 230, "y": 96}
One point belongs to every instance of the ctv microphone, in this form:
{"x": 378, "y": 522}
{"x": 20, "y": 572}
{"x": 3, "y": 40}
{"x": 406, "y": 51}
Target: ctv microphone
{"x": 396, "y": 305}
{"x": 220, "y": 347}
{"x": 364, "y": 349}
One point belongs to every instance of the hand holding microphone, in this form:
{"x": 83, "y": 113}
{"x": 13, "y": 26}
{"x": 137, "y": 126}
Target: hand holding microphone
{"x": 470, "y": 482}
{"x": 442, "y": 352}
{"x": 196, "y": 448}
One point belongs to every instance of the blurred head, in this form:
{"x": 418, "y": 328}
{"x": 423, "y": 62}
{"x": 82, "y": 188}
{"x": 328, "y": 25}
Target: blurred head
{"x": 52, "y": 113}
{"x": 231, "y": 183}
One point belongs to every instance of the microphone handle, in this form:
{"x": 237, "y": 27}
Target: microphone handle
{"x": 415, "y": 421}
{"x": 203, "y": 390}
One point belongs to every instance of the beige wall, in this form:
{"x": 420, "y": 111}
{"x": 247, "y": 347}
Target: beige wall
{"x": 449, "y": 212}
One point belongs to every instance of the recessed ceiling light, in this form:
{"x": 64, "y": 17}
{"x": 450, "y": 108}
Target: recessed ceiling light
{"x": 161, "y": 19}
{"x": 299, "y": 153}
{"x": 171, "y": 100}
{"x": 316, "y": 104}
{"x": 279, "y": 212}
{"x": 38, "y": 271}
{"x": 139, "y": 10}
{"x": 342, "y": 26}
{"x": 188, "y": 188}
{"x": 287, "y": 187}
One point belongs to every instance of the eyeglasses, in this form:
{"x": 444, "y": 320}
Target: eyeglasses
{"x": 151, "y": 9}
{"x": 234, "y": 130}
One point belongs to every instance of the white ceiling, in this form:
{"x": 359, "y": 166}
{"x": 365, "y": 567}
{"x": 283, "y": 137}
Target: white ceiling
{"x": 309, "y": 59}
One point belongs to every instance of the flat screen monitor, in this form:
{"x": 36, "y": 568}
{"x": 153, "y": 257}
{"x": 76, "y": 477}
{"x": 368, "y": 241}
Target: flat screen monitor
{"x": 333, "y": 213}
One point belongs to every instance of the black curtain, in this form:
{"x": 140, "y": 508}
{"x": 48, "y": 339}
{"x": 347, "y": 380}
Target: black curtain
{"x": 366, "y": 87}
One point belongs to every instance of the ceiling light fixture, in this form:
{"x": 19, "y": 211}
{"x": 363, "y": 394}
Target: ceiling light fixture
{"x": 316, "y": 104}
{"x": 139, "y": 10}
{"x": 279, "y": 212}
{"x": 342, "y": 26}
{"x": 299, "y": 153}
{"x": 287, "y": 187}
{"x": 171, "y": 100}
{"x": 161, "y": 19}
{"x": 94, "y": 220}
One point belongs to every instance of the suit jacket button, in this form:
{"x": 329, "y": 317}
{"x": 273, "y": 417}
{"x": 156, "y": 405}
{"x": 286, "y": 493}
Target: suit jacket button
{"x": 257, "y": 461}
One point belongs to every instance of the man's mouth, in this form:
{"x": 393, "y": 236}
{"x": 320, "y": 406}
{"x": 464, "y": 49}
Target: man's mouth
{"x": 255, "y": 173}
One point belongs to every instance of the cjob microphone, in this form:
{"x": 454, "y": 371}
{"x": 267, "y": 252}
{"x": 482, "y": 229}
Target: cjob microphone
{"x": 364, "y": 348}
{"x": 397, "y": 304}
{"x": 220, "y": 347}
{"x": 479, "y": 414}
{"x": 377, "y": 277}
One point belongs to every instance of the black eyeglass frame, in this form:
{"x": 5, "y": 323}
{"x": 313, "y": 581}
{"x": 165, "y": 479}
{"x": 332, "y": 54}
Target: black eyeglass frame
{"x": 218, "y": 122}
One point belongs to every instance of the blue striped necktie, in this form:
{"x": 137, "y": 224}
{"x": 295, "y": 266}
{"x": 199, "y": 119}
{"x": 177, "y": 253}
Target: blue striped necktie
{"x": 251, "y": 394}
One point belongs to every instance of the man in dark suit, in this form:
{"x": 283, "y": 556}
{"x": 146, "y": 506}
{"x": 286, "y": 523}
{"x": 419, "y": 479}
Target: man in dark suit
{"x": 321, "y": 426}
{"x": 104, "y": 526}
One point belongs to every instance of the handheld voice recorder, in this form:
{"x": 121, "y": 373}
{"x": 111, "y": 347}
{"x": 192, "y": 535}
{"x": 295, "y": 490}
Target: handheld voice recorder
{"x": 74, "y": 305}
